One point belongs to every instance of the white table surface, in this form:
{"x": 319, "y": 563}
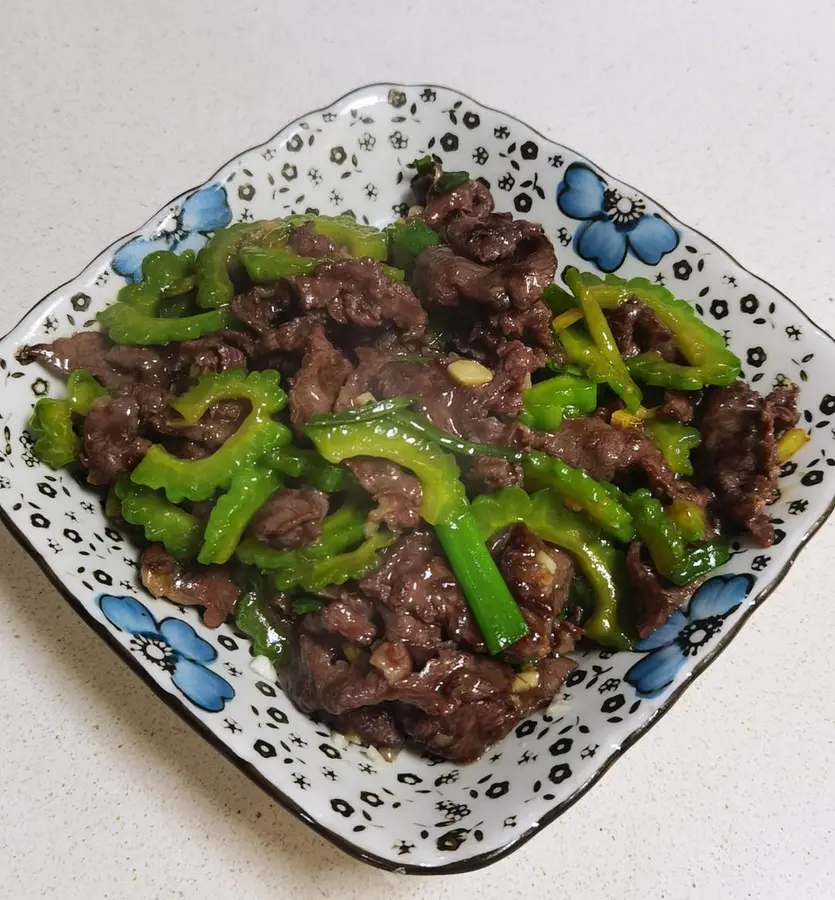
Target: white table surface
{"x": 724, "y": 112}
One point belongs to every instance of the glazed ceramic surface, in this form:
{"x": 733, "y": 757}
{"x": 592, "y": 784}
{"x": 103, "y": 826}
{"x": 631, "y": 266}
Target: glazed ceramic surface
{"x": 419, "y": 813}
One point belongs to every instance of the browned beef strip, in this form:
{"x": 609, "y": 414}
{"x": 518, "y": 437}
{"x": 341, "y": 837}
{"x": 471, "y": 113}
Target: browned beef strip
{"x": 220, "y": 422}
{"x": 306, "y": 242}
{"x": 656, "y": 598}
{"x": 415, "y": 580}
{"x": 676, "y": 405}
{"x": 485, "y": 710}
{"x": 346, "y": 614}
{"x": 358, "y": 292}
{"x": 397, "y": 493}
{"x": 491, "y": 239}
{"x": 471, "y": 199}
{"x": 323, "y": 370}
{"x": 113, "y": 365}
{"x": 783, "y": 402}
{"x": 531, "y": 325}
{"x": 375, "y": 725}
{"x": 737, "y": 459}
{"x": 488, "y": 473}
{"x": 112, "y": 445}
{"x": 262, "y": 306}
{"x": 526, "y": 564}
{"x": 441, "y": 278}
{"x": 291, "y": 518}
{"x": 604, "y": 451}
{"x": 189, "y": 584}
{"x": 469, "y": 412}
{"x": 221, "y": 350}
{"x": 636, "y": 329}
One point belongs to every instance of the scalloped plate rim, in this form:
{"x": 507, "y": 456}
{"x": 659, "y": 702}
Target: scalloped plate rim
{"x": 477, "y": 861}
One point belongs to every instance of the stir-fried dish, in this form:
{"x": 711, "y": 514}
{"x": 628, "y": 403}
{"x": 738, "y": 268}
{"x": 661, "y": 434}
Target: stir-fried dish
{"x": 413, "y": 465}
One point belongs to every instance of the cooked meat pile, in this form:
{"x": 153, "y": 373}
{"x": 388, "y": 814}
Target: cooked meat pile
{"x": 396, "y": 655}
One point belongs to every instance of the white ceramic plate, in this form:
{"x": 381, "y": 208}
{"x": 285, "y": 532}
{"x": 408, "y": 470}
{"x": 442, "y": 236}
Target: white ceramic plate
{"x": 419, "y": 814}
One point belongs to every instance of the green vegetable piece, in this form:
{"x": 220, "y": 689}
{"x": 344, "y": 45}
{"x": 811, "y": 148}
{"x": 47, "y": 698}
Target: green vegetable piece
{"x": 248, "y": 491}
{"x": 558, "y": 300}
{"x": 218, "y": 258}
{"x": 162, "y": 522}
{"x": 612, "y": 622}
{"x": 701, "y": 560}
{"x": 254, "y": 618}
{"x": 421, "y": 425}
{"x": 309, "y": 467}
{"x": 580, "y": 595}
{"x": 413, "y": 237}
{"x": 498, "y": 616}
{"x": 272, "y": 265}
{"x": 359, "y": 240}
{"x": 711, "y": 362}
{"x": 266, "y": 265}
{"x": 135, "y": 317}
{"x": 424, "y": 165}
{"x": 657, "y": 530}
{"x": 448, "y": 181}
{"x": 380, "y": 409}
{"x": 126, "y": 325}
{"x": 547, "y": 403}
{"x": 198, "y": 479}
{"x": 675, "y": 441}
{"x": 598, "y": 328}
{"x": 385, "y": 438}
{"x": 82, "y": 390}
{"x": 689, "y": 518}
{"x": 595, "y": 498}
{"x": 338, "y": 569}
{"x": 56, "y": 443}
{"x": 303, "y": 605}
{"x": 341, "y": 530}
{"x": 162, "y": 272}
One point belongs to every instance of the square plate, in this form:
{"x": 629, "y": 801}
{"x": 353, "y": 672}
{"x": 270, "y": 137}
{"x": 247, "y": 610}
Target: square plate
{"x": 419, "y": 814}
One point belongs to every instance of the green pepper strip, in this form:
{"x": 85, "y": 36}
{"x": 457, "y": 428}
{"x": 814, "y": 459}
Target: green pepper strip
{"x": 56, "y": 443}
{"x": 253, "y": 618}
{"x": 378, "y": 410}
{"x": 657, "y": 530}
{"x": 162, "y": 522}
{"x": 198, "y": 479}
{"x": 444, "y": 506}
{"x": 310, "y": 467}
{"x": 341, "y": 530}
{"x": 711, "y": 362}
{"x": 564, "y": 396}
{"x": 602, "y": 566}
{"x": 689, "y": 518}
{"x": 595, "y": 498}
{"x": 421, "y": 425}
{"x": 601, "y": 334}
{"x": 443, "y": 493}
{"x": 340, "y": 568}
{"x": 248, "y": 491}
{"x": 700, "y": 561}
{"x": 265, "y": 265}
{"x": 675, "y": 441}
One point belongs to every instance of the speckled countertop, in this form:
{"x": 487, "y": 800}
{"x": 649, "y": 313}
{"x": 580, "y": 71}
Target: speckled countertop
{"x": 723, "y": 111}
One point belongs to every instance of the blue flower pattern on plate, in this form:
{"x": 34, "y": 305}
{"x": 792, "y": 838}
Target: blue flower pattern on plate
{"x": 686, "y": 632}
{"x": 174, "y": 646}
{"x": 612, "y": 222}
{"x": 202, "y": 212}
